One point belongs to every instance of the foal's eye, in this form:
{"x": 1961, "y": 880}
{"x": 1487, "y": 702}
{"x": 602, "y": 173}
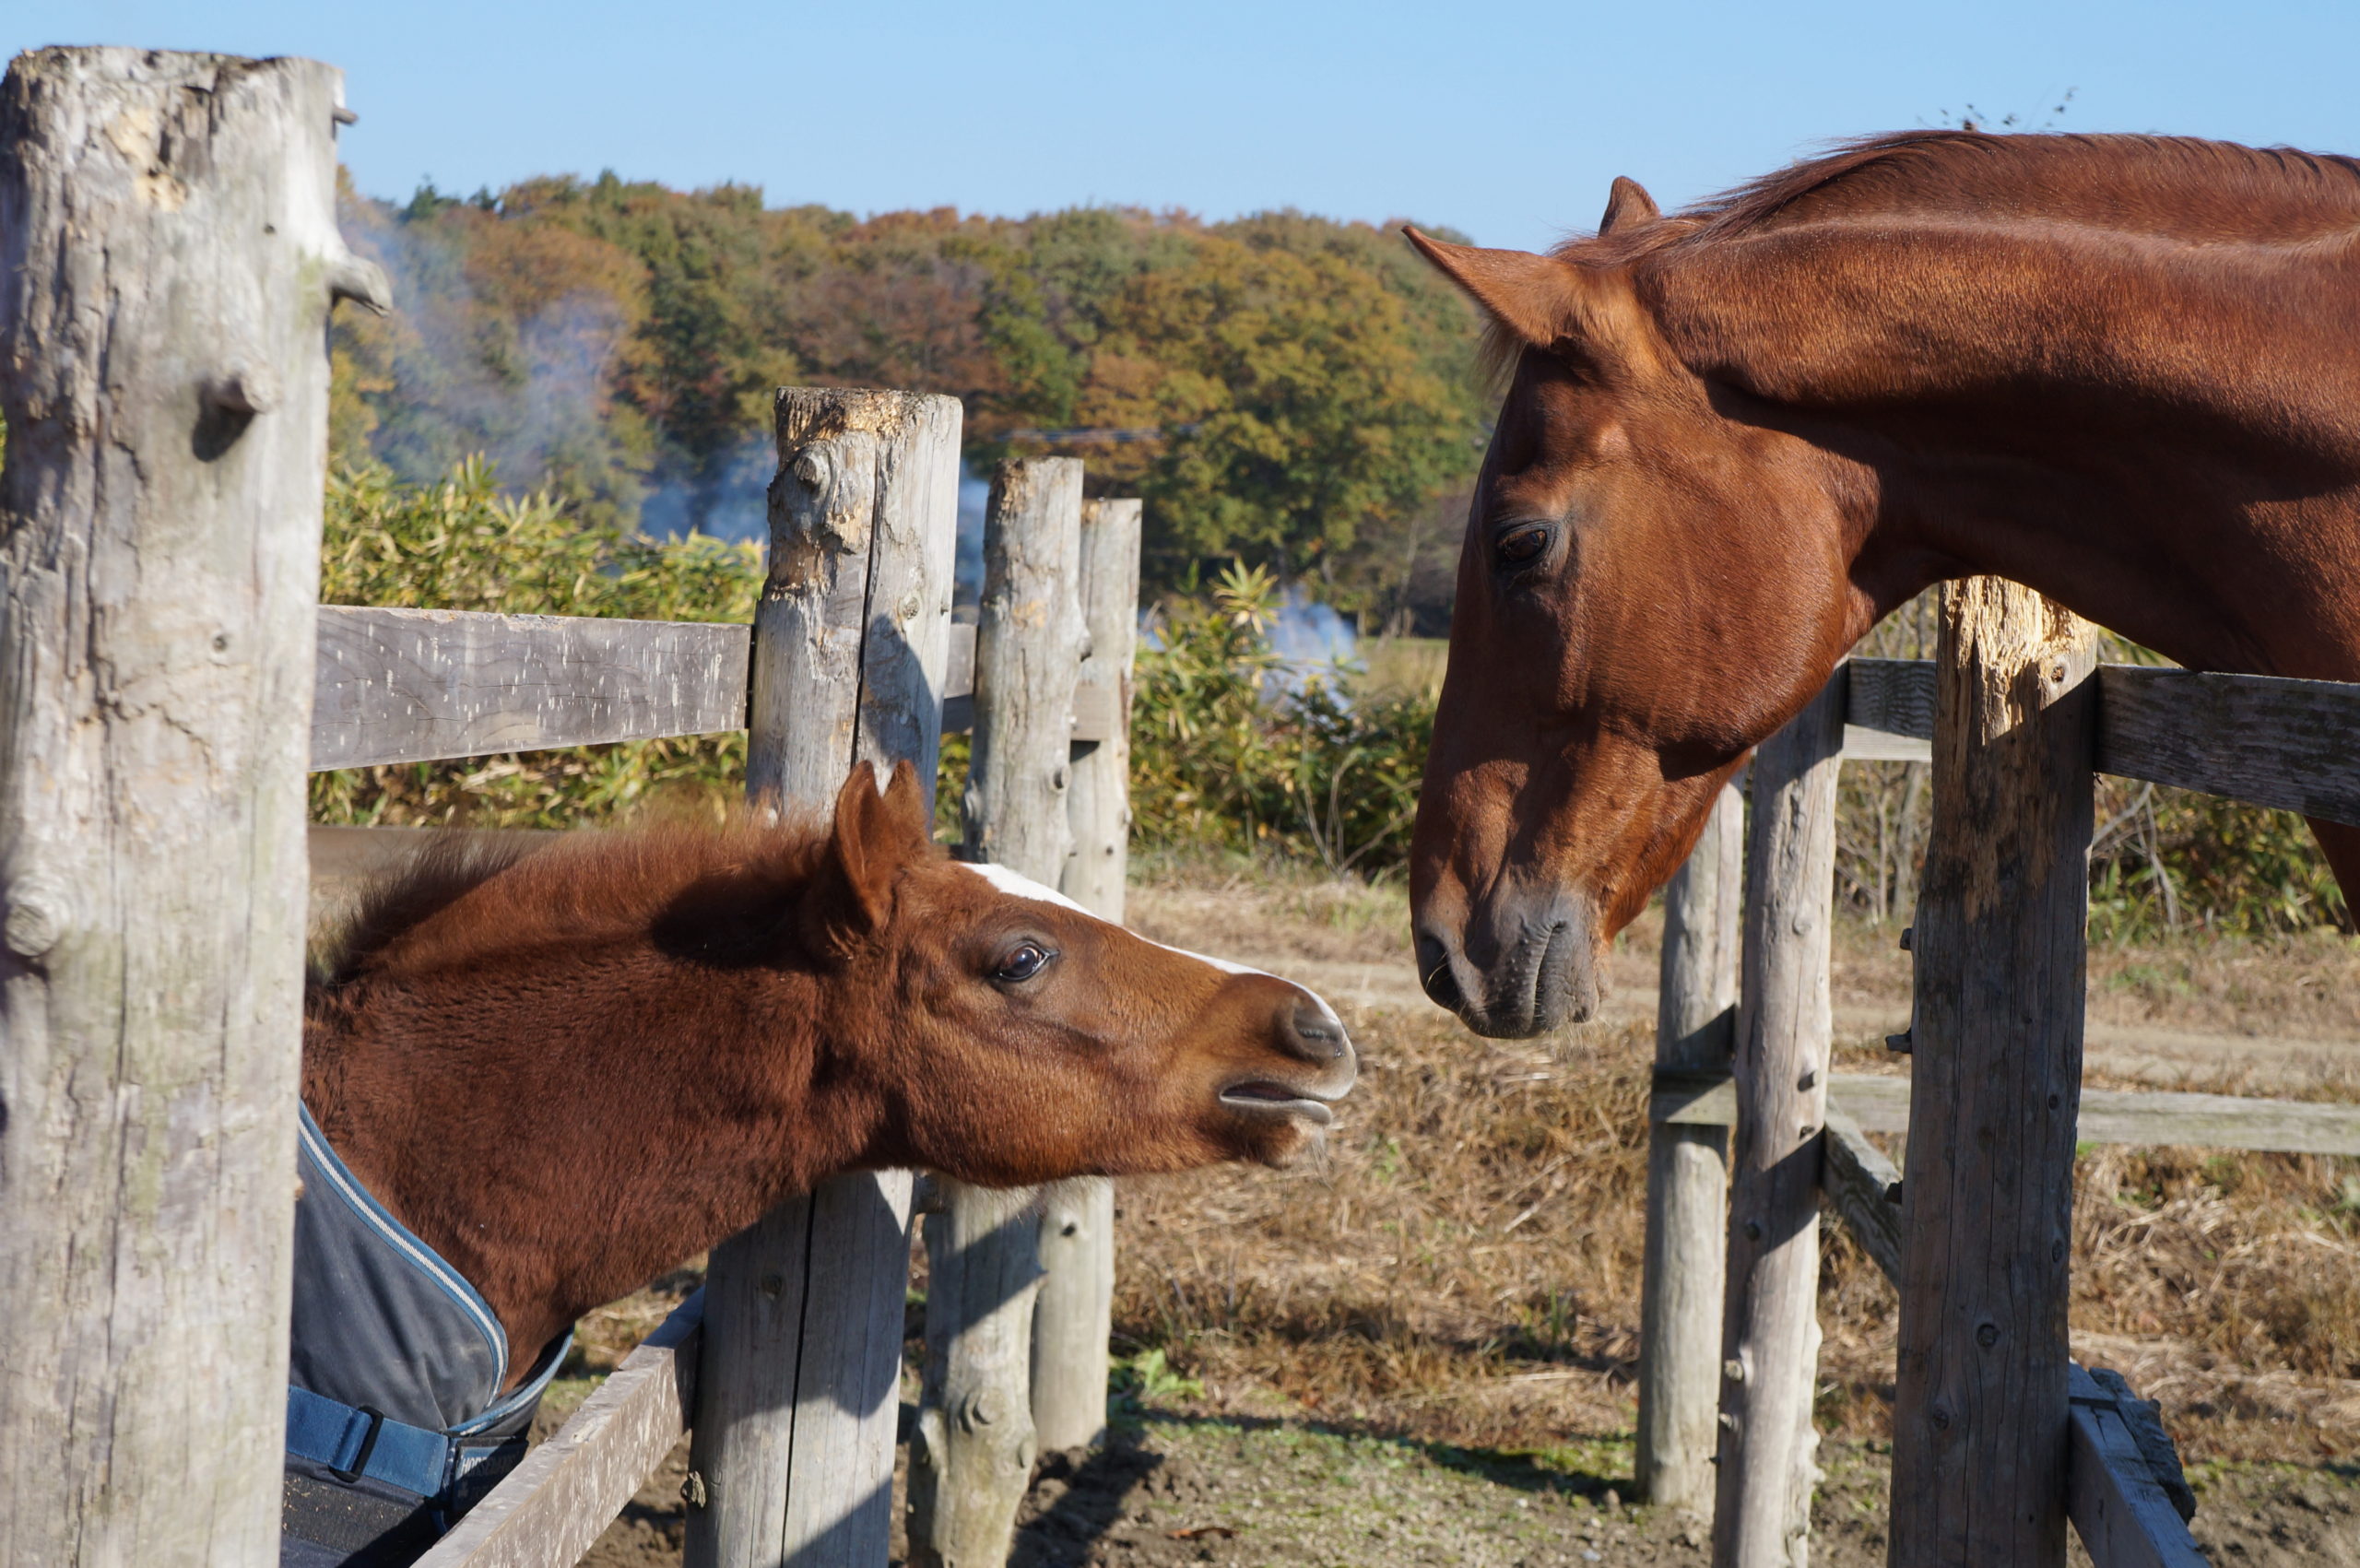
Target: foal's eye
{"x": 1022, "y": 962}
{"x": 1521, "y": 544}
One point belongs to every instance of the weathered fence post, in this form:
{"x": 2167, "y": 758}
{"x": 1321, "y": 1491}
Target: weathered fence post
{"x": 1075, "y": 1313}
{"x": 801, "y": 1368}
{"x": 972, "y": 1457}
{"x": 1770, "y": 1317}
{"x": 168, "y": 258}
{"x": 1679, "y": 1312}
{"x": 1980, "y": 1418}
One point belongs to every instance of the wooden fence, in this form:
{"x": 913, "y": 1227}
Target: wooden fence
{"x": 1751, "y": 1133}
{"x": 165, "y": 680}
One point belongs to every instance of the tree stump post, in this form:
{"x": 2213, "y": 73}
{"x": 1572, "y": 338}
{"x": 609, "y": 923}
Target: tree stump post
{"x": 1770, "y": 1311}
{"x": 972, "y": 1457}
{"x": 168, "y": 258}
{"x": 800, "y": 1376}
{"x": 1075, "y": 1315}
{"x": 1679, "y": 1312}
{"x": 1980, "y": 1418}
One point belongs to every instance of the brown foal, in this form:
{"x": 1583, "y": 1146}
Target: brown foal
{"x": 567, "y": 1071}
{"x": 2122, "y": 369}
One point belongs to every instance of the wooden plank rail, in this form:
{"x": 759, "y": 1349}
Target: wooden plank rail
{"x": 2147, "y": 1118}
{"x": 422, "y": 686}
{"x": 2291, "y": 744}
{"x": 553, "y": 1507}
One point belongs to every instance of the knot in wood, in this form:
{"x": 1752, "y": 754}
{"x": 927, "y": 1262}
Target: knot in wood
{"x": 976, "y": 1410}
{"x": 1987, "y": 1335}
{"x": 38, "y": 914}
{"x": 1734, "y": 1370}
{"x": 243, "y": 389}
{"x": 771, "y": 1285}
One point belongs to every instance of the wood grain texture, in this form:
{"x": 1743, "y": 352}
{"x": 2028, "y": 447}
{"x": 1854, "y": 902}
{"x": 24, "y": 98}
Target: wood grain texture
{"x": 1891, "y": 697}
{"x": 2291, "y": 744}
{"x": 2118, "y": 1505}
{"x": 1075, "y": 1312}
{"x": 1687, "y": 1235}
{"x": 413, "y": 686}
{"x": 796, "y": 1415}
{"x": 168, "y": 258}
{"x": 1979, "y": 1418}
{"x": 1770, "y": 1319}
{"x": 552, "y": 1508}
{"x": 1861, "y": 1186}
{"x": 972, "y": 1457}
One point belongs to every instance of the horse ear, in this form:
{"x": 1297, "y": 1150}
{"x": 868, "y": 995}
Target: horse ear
{"x": 875, "y": 836}
{"x": 1628, "y": 206}
{"x": 1537, "y": 298}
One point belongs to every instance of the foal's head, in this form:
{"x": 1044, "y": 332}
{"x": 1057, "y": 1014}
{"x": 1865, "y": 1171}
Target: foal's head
{"x": 1016, "y": 1038}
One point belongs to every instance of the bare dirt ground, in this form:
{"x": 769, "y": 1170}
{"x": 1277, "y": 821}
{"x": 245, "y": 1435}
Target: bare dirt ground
{"x": 1420, "y": 1350}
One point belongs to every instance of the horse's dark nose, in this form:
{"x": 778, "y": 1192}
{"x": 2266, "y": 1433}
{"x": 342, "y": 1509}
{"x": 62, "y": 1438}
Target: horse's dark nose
{"x": 1316, "y": 1035}
{"x": 1436, "y": 973}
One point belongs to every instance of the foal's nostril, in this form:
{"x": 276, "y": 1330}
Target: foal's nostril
{"x": 1434, "y": 972}
{"x": 1315, "y": 1035}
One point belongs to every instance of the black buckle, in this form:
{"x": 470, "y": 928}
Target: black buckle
{"x": 368, "y": 1445}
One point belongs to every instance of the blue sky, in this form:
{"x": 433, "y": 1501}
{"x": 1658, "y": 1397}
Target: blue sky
{"x": 1506, "y": 121}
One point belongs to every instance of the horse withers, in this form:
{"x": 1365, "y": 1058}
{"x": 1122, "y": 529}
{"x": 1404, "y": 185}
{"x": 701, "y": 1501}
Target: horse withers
{"x": 2124, "y": 371}
{"x": 534, "y": 1081}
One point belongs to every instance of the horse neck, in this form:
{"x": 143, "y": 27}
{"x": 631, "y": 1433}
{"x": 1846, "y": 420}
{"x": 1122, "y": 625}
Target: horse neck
{"x": 566, "y": 1134}
{"x": 2162, "y": 436}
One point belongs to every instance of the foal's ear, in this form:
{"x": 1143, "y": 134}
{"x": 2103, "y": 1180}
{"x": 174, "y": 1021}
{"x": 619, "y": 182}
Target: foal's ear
{"x": 1628, "y": 206}
{"x": 875, "y": 836}
{"x": 1537, "y": 298}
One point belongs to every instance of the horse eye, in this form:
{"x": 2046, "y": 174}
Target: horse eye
{"x": 1522, "y": 544}
{"x": 1022, "y": 962}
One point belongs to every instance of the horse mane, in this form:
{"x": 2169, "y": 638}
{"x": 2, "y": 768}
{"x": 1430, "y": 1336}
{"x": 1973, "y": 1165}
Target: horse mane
{"x": 684, "y": 879}
{"x": 2180, "y": 186}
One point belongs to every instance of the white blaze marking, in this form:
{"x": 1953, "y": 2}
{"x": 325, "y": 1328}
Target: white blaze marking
{"x": 1022, "y": 887}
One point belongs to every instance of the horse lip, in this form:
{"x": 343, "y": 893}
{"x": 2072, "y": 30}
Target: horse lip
{"x": 1309, "y": 1110}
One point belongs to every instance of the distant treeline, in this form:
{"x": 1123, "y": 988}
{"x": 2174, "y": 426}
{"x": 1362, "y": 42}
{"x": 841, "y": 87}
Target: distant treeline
{"x": 1290, "y": 391}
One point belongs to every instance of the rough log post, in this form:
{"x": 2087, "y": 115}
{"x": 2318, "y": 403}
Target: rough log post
{"x": 1075, "y": 1313}
{"x": 1770, "y": 1319}
{"x": 168, "y": 257}
{"x": 1979, "y": 1420}
{"x": 972, "y": 1455}
{"x": 801, "y": 1367}
{"x": 1679, "y": 1312}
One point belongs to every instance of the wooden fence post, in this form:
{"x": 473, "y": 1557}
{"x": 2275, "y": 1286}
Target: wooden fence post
{"x": 972, "y": 1457}
{"x": 1074, "y": 1315}
{"x": 801, "y": 1367}
{"x": 168, "y": 258}
{"x": 1770, "y": 1317}
{"x": 1980, "y": 1431}
{"x": 1680, "y": 1312}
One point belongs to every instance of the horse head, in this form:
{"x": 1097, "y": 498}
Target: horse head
{"x": 1653, "y": 578}
{"x": 1016, "y": 1038}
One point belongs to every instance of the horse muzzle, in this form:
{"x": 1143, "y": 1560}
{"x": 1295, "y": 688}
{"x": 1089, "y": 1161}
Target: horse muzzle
{"x": 1522, "y": 963}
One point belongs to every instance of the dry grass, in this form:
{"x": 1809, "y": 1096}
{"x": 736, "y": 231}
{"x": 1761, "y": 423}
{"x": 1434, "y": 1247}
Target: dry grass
{"x": 1464, "y": 1268}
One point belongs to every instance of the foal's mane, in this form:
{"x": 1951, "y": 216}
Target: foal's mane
{"x": 687, "y": 877}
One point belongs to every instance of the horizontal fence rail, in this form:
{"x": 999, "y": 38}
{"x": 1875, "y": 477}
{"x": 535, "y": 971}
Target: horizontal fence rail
{"x": 2290, "y": 744}
{"x": 2145, "y": 1117}
{"x": 424, "y": 686}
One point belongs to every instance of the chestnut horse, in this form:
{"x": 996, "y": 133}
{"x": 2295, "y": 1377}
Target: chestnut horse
{"x": 534, "y": 1081}
{"x": 567, "y": 1072}
{"x": 2124, "y": 371}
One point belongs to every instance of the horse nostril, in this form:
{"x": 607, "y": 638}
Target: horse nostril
{"x": 1436, "y": 974}
{"x": 1316, "y": 1035}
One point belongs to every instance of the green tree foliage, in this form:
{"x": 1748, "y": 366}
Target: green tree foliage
{"x": 1290, "y": 388}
